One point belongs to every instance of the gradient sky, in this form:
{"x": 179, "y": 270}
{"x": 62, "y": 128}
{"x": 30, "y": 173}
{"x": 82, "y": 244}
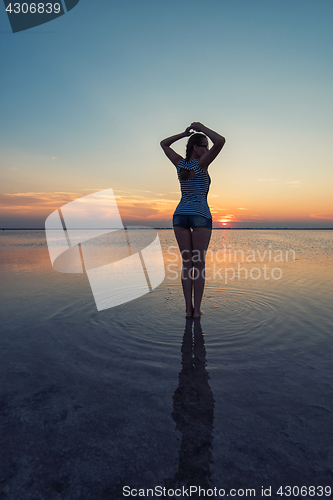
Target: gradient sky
{"x": 86, "y": 99}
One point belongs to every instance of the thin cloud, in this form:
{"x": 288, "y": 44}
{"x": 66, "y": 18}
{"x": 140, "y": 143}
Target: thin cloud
{"x": 296, "y": 184}
{"x": 31, "y": 200}
{"x": 322, "y": 215}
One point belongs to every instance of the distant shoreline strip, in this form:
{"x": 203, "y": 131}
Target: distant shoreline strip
{"x": 170, "y": 228}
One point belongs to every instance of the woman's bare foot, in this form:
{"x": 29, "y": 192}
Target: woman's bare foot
{"x": 197, "y": 315}
{"x": 189, "y": 312}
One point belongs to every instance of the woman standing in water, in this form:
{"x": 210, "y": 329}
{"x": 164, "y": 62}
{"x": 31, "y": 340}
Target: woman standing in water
{"x": 192, "y": 220}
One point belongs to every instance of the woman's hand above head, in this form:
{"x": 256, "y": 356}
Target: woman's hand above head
{"x": 197, "y": 126}
{"x": 188, "y": 131}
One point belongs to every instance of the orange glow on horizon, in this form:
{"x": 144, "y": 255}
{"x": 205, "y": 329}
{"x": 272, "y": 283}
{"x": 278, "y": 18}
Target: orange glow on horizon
{"x": 142, "y": 205}
{"x": 227, "y": 218}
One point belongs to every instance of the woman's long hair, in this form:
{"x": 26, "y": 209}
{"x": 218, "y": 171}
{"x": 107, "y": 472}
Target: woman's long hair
{"x": 194, "y": 140}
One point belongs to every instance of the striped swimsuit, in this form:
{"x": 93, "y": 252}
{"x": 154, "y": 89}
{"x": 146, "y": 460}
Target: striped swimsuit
{"x": 194, "y": 191}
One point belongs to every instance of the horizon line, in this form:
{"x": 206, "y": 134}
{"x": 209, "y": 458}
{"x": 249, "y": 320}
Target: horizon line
{"x": 170, "y": 228}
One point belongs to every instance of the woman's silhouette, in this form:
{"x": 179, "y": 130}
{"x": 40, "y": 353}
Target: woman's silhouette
{"x": 192, "y": 220}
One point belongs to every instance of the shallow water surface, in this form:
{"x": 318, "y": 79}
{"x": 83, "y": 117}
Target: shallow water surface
{"x": 137, "y": 395}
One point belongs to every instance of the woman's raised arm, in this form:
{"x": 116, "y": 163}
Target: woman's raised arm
{"x": 166, "y": 143}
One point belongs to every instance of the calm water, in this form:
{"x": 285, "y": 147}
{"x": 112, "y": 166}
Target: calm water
{"x": 136, "y": 396}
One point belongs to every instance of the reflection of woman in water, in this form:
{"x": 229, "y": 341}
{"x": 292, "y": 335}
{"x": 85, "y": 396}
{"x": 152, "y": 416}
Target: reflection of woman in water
{"x": 193, "y": 412}
{"x": 192, "y": 220}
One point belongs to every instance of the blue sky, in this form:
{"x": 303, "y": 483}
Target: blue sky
{"x": 87, "y": 97}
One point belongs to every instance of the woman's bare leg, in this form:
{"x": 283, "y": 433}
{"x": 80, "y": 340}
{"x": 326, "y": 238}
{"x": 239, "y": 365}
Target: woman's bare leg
{"x": 184, "y": 240}
{"x": 200, "y": 241}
